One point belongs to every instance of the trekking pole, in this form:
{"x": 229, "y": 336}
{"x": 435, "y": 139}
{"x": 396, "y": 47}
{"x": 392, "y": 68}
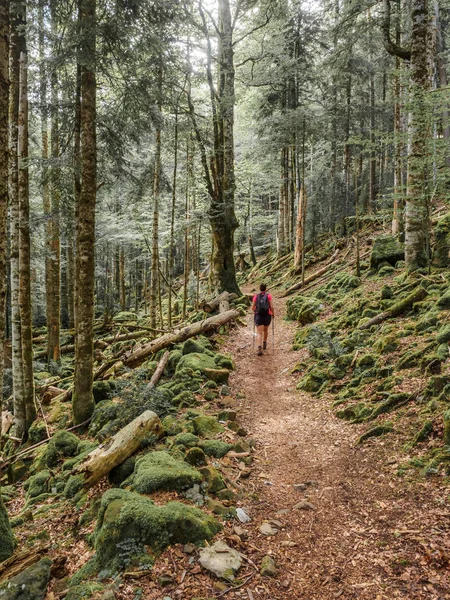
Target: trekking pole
{"x": 253, "y": 343}
{"x": 273, "y": 335}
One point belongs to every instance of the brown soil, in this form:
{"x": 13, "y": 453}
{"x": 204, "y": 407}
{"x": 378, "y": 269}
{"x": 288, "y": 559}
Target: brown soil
{"x": 369, "y": 534}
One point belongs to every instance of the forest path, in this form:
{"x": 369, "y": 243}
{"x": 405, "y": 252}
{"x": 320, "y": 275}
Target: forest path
{"x": 368, "y": 535}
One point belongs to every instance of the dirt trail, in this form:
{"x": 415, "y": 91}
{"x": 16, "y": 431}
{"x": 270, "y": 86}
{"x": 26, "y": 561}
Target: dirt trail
{"x": 367, "y": 534}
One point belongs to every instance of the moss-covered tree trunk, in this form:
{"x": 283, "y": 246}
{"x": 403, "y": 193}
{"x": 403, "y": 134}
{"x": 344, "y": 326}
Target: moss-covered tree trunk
{"x": 83, "y": 402}
{"x": 221, "y": 214}
{"x": 6, "y": 536}
{"x": 24, "y": 237}
{"x": 417, "y": 217}
{"x": 4, "y": 96}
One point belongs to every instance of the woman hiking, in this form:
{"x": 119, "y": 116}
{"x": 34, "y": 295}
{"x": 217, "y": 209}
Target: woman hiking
{"x": 262, "y": 306}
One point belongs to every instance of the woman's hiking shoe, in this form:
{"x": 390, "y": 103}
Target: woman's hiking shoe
{"x": 264, "y": 345}
{"x": 260, "y": 351}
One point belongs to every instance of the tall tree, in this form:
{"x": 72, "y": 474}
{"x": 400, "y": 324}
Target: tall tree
{"x": 4, "y": 98}
{"x": 83, "y": 402}
{"x": 24, "y": 233}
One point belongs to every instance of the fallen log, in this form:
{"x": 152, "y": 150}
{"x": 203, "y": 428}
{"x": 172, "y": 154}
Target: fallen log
{"x": 159, "y": 370}
{"x": 311, "y": 278}
{"x": 398, "y": 308}
{"x": 224, "y": 306}
{"x": 213, "y": 305}
{"x": 329, "y": 260}
{"x": 20, "y": 560}
{"x": 192, "y": 330}
{"x": 123, "y": 444}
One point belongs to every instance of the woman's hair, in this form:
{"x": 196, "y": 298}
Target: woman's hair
{"x": 263, "y": 287}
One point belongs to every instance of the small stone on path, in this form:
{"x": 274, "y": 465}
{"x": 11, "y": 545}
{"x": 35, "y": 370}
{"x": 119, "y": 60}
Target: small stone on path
{"x": 241, "y": 532}
{"x": 221, "y": 560}
{"x": 305, "y": 505}
{"x": 268, "y": 567}
{"x": 242, "y": 515}
{"x": 268, "y": 529}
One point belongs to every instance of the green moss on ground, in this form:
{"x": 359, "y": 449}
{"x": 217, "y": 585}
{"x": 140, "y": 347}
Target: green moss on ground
{"x": 160, "y": 471}
{"x": 128, "y": 522}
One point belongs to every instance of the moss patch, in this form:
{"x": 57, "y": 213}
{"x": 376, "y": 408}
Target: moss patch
{"x": 128, "y": 522}
{"x": 160, "y": 471}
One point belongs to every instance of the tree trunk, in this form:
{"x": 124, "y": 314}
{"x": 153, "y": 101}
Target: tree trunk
{"x": 54, "y": 299}
{"x": 197, "y": 328}
{"x": 4, "y": 97}
{"x": 116, "y": 450}
{"x": 172, "y": 221}
{"x": 13, "y": 179}
{"x": 122, "y": 294}
{"x": 417, "y": 218}
{"x": 398, "y": 308}
{"x": 24, "y": 241}
{"x": 154, "y": 285}
{"x": 222, "y": 216}
{"x": 83, "y": 401}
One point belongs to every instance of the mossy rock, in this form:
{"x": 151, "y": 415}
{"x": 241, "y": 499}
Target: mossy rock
{"x": 37, "y": 484}
{"x": 386, "y": 292}
{"x": 305, "y": 310}
{"x": 186, "y": 439}
{"x": 313, "y": 381}
{"x": 104, "y": 412}
{"x": 213, "y": 480}
{"x": 206, "y": 426}
{"x": 62, "y": 445}
{"x": 171, "y": 425}
{"x": 216, "y": 448}
{"x": 118, "y": 475}
{"x": 224, "y": 362}
{"x": 30, "y": 584}
{"x": 192, "y": 346}
{"x": 37, "y": 432}
{"x": 392, "y": 402}
{"x": 443, "y": 336}
{"x": 196, "y": 361}
{"x": 386, "y": 248}
{"x": 386, "y": 344}
{"x": 183, "y": 399}
{"x": 102, "y": 390}
{"x": 386, "y": 270}
{"x": 174, "y": 358}
{"x": 160, "y": 471}
{"x": 366, "y": 361}
{"x": 195, "y": 457}
{"x": 220, "y": 376}
{"x": 73, "y": 486}
{"x": 444, "y": 301}
{"x": 128, "y": 522}
{"x": 426, "y": 323}
{"x": 356, "y": 412}
{"x": 442, "y": 246}
{"x": 410, "y": 359}
{"x": 125, "y": 316}
{"x": 60, "y": 414}
{"x": 42, "y": 376}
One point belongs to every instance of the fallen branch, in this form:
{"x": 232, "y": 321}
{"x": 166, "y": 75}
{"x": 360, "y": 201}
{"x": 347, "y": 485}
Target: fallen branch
{"x": 192, "y": 330}
{"x": 312, "y": 277}
{"x": 398, "y": 308}
{"x": 123, "y": 444}
{"x": 159, "y": 370}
